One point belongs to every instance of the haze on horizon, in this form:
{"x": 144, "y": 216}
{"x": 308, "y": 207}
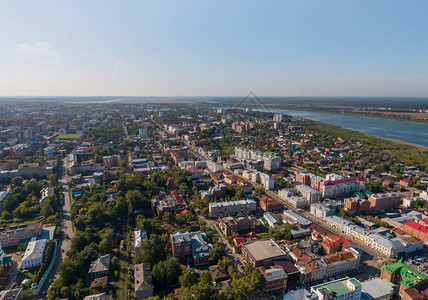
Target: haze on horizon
{"x": 216, "y": 48}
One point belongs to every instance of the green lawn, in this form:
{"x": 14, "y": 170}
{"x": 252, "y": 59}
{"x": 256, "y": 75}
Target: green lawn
{"x": 67, "y": 136}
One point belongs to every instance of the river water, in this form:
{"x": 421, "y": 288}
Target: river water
{"x": 402, "y": 131}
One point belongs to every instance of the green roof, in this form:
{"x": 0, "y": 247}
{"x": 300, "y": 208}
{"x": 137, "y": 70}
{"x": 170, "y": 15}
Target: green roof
{"x": 338, "y": 287}
{"x": 409, "y": 276}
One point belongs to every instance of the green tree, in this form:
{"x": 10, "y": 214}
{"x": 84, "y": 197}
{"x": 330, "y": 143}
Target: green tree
{"x": 165, "y": 273}
{"x": 187, "y": 278}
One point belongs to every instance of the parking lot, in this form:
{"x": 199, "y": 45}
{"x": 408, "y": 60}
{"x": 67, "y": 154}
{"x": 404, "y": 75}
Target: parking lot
{"x": 419, "y": 263}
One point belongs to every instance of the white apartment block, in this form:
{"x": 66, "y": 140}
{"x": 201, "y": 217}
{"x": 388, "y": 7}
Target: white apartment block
{"x": 292, "y": 199}
{"x": 325, "y": 209}
{"x": 227, "y": 208}
{"x": 312, "y": 195}
{"x": 271, "y": 162}
{"x": 267, "y": 181}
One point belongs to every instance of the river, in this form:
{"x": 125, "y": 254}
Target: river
{"x": 402, "y": 131}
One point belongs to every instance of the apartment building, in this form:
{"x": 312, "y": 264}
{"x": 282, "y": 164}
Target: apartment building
{"x": 268, "y": 204}
{"x": 346, "y": 186}
{"x": 14, "y": 235}
{"x": 312, "y": 195}
{"x": 192, "y": 245}
{"x": 230, "y": 225}
{"x": 383, "y": 202}
{"x": 356, "y": 204}
{"x": 325, "y": 209}
{"x": 228, "y": 208}
{"x": 290, "y": 197}
{"x": 270, "y": 162}
{"x": 274, "y": 278}
{"x": 267, "y": 181}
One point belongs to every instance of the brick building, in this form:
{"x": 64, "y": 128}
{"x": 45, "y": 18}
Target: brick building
{"x": 230, "y": 225}
{"x": 383, "y": 202}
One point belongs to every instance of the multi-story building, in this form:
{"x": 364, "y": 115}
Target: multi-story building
{"x": 267, "y": 181}
{"x": 335, "y": 188}
{"x": 418, "y": 230}
{"x": 312, "y": 195}
{"x": 230, "y": 225}
{"x": 268, "y": 204}
{"x": 325, "y": 209}
{"x": 270, "y": 161}
{"x": 345, "y": 288}
{"x": 111, "y": 161}
{"x": 404, "y": 274}
{"x": 303, "y": 177}
{"x": 192, "y": 245}
{"x": 383, "y": 202}
{"x": 278, "y": 117}
{"x": 218, "y": 191}
{"x": 168, "y": 203}
{"x": 314, "y": 267}
{"x": 228, "y": 208}
{"x": 356, "y": 204}
{"x": 388, "y": 246}
{"x": 13, "y": 235}
{"x": 292, "y": 199}
{"x": 418, "y": 291}
{"x": 378, "y": 289}
{"x": 274, "y": 278}
{"x": 262, "y": 252}
{"x": 33, "y": 255}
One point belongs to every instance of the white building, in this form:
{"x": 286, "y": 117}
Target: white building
{"x": 267, "y": 181}
{"x": 335, "y": 188}
{"x": 292, "y": 199}
{"x": 227, "y": 208}
{"x": 278, "y": 117}
{"x": 389, "y": 247}
{"x": 325, "y": 209}
{"x": 271, "y": 219}
{"x": 271, "y": 162}
{"x": 312, "y": 195}
{"x": 45, "y": 193}
{"x": 140, "y": 236}
{"x": 34, "y": 254}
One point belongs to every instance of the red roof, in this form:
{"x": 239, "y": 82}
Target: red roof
{"x": 425, "y": 221}
{"x": 178, "y": 199}
{"x": 344, "y": 180}
{"x": 417, "y": 226}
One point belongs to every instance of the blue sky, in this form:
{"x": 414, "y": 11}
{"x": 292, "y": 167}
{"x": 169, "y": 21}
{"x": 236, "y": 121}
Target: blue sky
{"x": 217, "y": 48}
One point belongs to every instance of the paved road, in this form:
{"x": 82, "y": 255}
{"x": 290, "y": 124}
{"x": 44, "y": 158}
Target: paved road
{"x": 66, "y": 230}
{"x": 125, "y": 130}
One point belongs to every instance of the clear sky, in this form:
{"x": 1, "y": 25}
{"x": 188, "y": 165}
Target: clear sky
{"x": 218, "y": 48}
